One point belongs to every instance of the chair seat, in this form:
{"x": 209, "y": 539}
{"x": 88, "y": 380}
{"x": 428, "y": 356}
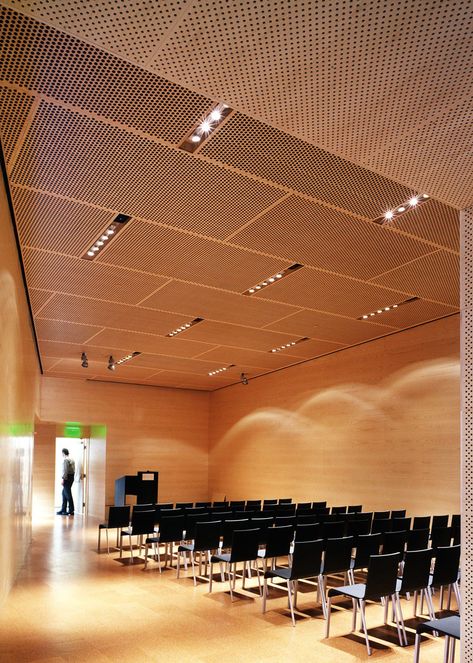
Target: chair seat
{"x": 223, "y": 557}
{"x": 186, "y": 547}
{"x": 447, "y": 626}
{"x": 353, "y": 591}
{"x": 152, "y": 539}
{"x": 279, "y": 573}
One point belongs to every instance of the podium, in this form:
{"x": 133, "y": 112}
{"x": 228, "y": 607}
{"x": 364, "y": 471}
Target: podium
{"x": 144, "y": 485}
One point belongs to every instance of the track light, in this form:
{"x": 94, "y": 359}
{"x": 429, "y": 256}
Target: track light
{"x": 111, "y": 363}
{"x": 243, "y": 378}
{"x": 84, "y": 360}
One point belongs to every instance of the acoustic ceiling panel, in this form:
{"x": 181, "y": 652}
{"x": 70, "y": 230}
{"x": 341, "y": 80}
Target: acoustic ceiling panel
{"x": 109, "y": 314}
{"x": 310, "y": 234}
{"x": 311, "y": 348}
{"x": 87, "y": 278}
{"x": 202, "y": 302}
{"x": 37, "y": 57}
{"x": 60, "y": 330}
{"x": 416, "y": 312}
{"x": 104, "y": 165}
{"x": 349, "y": 77}
{"x": 323, "y": 291}
{"x": 433, "y": 221}
{"x": 422, "y": 278}
{"x": 189, "y": 381}
{"x": 153, "y": 248}
{"x": 237, "y": 336}
{"x": 261, "y": 360}
{"x": 257, "y": 148}
{"x": 15, "y": 108}
{"x": 160, "y": 362}
{"x": 59, "y": 349}
{"x": 177, "y": 346}
{"x": 38, "y": 298}
{"x": 99, "y": 368}
{"x": 49, "y": 222}
{"x": 316, "y": 324}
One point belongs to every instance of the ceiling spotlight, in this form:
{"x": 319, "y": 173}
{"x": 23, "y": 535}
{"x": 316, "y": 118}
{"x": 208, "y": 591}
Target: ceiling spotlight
{"x": 205, "y": 127}
{"x": 365, "y": 316}
{"x": 243, "y": 378}
{"x": 425, "y": 195}
{"x": 413, "y": 201}
{"x": 401, "y": 209}
{"x": 216, "y": 115}
{"x": 195, "y": 138}
{"x": 105, "y": 236}
{"x": 389, "y": 215}
{"x": 111, "y": 363}
{"x": 272, "y": 279}
{"x": 83, "y": 358}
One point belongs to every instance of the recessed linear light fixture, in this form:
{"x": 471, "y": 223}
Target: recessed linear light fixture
{"x": 286, "y": 346}
{"x": 205, "y": 127}
{"x": 411, "y": 204}
{"x": 104, "y": 238}
{"x": 386, "y": 309}
{"x": 221, "y": 370}
{"x": 112, "y": 363}
{"x": 185, "y": 327}
{"x": 273, "y": 279}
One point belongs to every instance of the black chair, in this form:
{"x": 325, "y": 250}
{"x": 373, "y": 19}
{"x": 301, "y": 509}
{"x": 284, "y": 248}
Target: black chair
{"x": 333, "y": 530}
{"x": 337, "y": 510}
{"x": 191, "y": 521}
{"x": 319, "y": 505}
{"x": 269, "y": 502}
{"x": 143, "y": 507}
{"x": 380, "y": 584}
{"x": 321, "y": 511}
{"x": 337, "y": 559}
{"x": 229, "y": 526}
{"x": 356, "y": 527}
{"x": 445, "y": 575}
{"x": 284, "y": 520}
{"x": 417, "y": 539}
{"x": 164, "y": 505}
{"x": 364, "y": 515}
{"x": 285, "y": 500}
{"x": 394, "y": 542}
{"x": 439, "y": 521}
{"x": 355, "y": 508}
{"x": 308, "y": 532}
{"x": 118, "y": 517}
{"x": 456, "y": 520}
{"x": 303, "y": 507}
{"x": 421, "y": 522}
{"x": 441, "y": 537}
{"x": 195, "y": 509}
{"x": 416, "y": 578}
{"x": 184, "y": 505}
{"x": 306, "y": 562}
{"x": 306, "y": 519}
{"x": 221, "y": 515}
{"x": 381, "y": 515}
{"x": 244, "y": 549}
{"x": 237, "y": 503}
{"x": 400, "y": 524}
{"x": 203, "y": 504}
{"x": 207, "y": 540}
{"x": 238, "y": 513}
{"x": 366, "y": 546}
{"x": 253, "y": 505}
{"x": 171, "y": 531}
{"x": 381, "y": 525}
{"x": 142, "y": 524}
{"x": 448, "y": 626}
{"x": 278, "y": 544}
{"x": 400, "y": 513}
{"x": 263, "y": 524}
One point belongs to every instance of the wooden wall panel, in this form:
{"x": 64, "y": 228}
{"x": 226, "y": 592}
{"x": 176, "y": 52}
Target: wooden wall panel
{"x": 146, "y": 428}
{"x": 377, "y": 424}
{"x": 19, "y": 399}
{"x": 44, "y": 469}
{"x": 96, "y": 472}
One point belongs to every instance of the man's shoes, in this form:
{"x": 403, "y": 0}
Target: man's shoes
{"x": 70, "y": 514}
{"x": 61, "y": 513}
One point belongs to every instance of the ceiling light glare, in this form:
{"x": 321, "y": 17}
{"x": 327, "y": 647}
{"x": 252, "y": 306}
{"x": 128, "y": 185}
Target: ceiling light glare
{"x": 205, "y": 127}
{"x": 386, "y": 309}
{"x": 425, "y": 196}
{"x": 105, "y": 236}
{"x": 389, "y": 215}
{"x": 401, "y": 209}
{"x": 272, "y": 279}
{"x": 413, "y": 201}
{"x": 220, "y": 370}
{"x": 195, "y": 138}
{"x": 184, "y": 327}
{"x": 215, "y": 115}
{"x": 289, "y": 345}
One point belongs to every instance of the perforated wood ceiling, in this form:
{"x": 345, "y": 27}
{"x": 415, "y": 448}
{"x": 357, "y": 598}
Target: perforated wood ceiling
{"x": 340, "y": 112}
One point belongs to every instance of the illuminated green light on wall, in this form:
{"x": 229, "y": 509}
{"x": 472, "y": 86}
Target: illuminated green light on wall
{"x": 72, "y": 429}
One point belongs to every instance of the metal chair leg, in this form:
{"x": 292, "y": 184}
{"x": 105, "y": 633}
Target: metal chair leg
{"x": 98, "y": 542}
{"x": 265, "y": 594}
{"x": 353, "y": 622}
{"x": 327, "y": 622}
{"x": 363, "y": 622}
{"x": 108, "y": 547}
{"x": 291, "y": 606}
{"x": 417, "y": 648}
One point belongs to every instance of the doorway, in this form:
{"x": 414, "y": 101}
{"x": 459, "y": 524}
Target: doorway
{"x": 78, "y": 451}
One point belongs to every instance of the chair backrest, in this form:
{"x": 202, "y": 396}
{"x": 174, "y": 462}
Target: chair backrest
{"x": 308, "y": 532}
{"x": 366, "y": 546}
{"x": 394, "y": 542}
{"x": 333, "y": 530}
{"x": 228, "y": 527}
{"x": 166, "y": 513}
{"x": 285, "y": 520}
{"x": 221, "y": 505}
{"x": 337, "y": 557}
{"x": 142, "y": 522}
{"x": 306, "y": 519}
{"x": 447, "y": 561}
{"x": 381, "y": 525}
{"x": 263, "y": 524}
{"x": 439, "y": 521}
{"x": 441, "y": 537}
{"x": 357, "y": 527}
{"x": 303, "y": 506}
{"x": 399, "y": 513}
{"x": 306, "y": 559}
{"x": 238, "y": 503}
{"x": 278, "y": 541}
{"x": 416, "y": 571}
{"x": 382, "y": 575}
{"x": 207, "y": 535}
{"x": 338, "y": 509}
{"x": 184, "y": 505}
{"x": 365, "y": 515}
{"x": 119, "y": 516}
{"x": 143, "y": 507}
{"x": 355, "y": 508}
{"x": 204, "y": 504}
{"x": 241, "y": 513}
{"x": 195, "y": 510}
{"x": 417, "y": 539}
{"x": 222, "y": 515}
{"x": 164, "y": 505}
{"x": 245, "y": 544}
{"x": 285, "y": 500}
{"x": 421, "y": 522}
{"x": 171, "y": 528}
{"x": 191, "y": 521}
{"x": 253, "y": 504}
{"x": 381, "y": 515}
{"x": 270, "y": 501}
{"x": 321, "y": 510}
{"x": 319, "y": 505}
{"x": 399, "y": 524}
{"x": 456, "y": 520}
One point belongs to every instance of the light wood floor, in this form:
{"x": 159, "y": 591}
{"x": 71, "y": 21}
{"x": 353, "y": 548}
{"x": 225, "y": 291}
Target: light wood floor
{"x": 71, "y": 604}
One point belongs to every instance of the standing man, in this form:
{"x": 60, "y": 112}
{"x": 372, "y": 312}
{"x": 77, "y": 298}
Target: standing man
{"x": 68, "y": 471}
